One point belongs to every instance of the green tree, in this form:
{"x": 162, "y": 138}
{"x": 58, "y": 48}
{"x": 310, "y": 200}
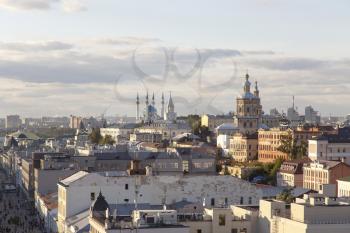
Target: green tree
{"x": 107, "y": 140}
{"x": 95, "y": 136}
{"x": 286, "y": 196}
{"x": 292, "y": 148}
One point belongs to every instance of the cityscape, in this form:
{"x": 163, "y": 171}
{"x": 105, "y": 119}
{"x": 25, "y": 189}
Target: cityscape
{"x": 109, "y": 123}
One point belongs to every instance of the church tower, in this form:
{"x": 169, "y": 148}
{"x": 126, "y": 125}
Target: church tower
{"x": 248, "y": 109}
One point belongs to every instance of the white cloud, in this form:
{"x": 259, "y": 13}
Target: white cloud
{"x": 89, "y": 75}
{"x": 66, "y": 5}
{"x": 73, "y": 5}
{"x": 27, "y": 4}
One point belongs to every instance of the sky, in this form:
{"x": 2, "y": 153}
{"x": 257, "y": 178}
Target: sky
{"x": 92, "y": 57}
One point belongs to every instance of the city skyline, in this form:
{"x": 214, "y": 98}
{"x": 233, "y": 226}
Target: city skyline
{"x": 65, "y": 70}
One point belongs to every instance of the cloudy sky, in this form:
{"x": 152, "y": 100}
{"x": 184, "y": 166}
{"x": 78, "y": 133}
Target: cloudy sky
{"x": 89, "y": 57}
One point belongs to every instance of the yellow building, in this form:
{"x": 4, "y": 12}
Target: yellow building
{"x": 212, "y": 121}
{"x": 244, "y": 147}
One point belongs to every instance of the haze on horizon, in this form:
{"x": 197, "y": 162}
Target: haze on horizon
{"x": 88, "y": 57}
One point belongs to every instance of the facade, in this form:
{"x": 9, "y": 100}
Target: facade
{"x": 13, "y": 122}
{"x": 119, "y": 132}
{"x": 312, "y": 214}
{"x": 268, "y": 143}
{"x": 212, "y": 121}
{"x": 318, "y": 173}
{"x": 311, "y": 116}
{"x": 331, "y": 147}
{"x": 232, "y": 219}
{"x": 270, "y": 140}
{"x": 343, "y": 187}
{"x": 75, "y": 122}
{"x": 290, "y": 173}
{"x": 244, "y": 147}
{"x": 76, "y": 193}
{"x": 146, "y": 137}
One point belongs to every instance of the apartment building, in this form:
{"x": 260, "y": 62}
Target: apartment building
{"x": 318, "y": 173}
{"x": 244, "y": 147}
{"x": 330, "y": 147}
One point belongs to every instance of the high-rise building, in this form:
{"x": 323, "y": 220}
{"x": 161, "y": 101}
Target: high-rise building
{"x": 311, "y": 116}
{"x": 13, "y": 122}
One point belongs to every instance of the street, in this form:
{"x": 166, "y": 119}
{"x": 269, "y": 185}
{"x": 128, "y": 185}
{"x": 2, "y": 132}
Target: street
{"x": 17, "y": 214}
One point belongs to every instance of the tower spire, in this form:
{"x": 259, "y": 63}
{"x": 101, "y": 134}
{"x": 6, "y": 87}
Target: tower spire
{"x": 256, "y": 92}
{"x": 153, "y": 101}
{"x": 247, "y": 84}
{"x": 162, "y": 110}
{"x": 147, "y": 101}
{"x": 137, "y": 107}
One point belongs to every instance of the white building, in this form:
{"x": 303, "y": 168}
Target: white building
{"x": 343, "y": 185}
{"x": 330, "y": 148}
{"x": 118, "y": 132}
{"x": 77, "y": 192}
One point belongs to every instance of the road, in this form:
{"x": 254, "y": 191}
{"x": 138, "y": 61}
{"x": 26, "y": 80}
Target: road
{"x": 17, "y": 214}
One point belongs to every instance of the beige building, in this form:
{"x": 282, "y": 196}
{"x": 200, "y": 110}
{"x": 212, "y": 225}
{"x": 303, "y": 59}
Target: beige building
{"x": 290, "y": 173}
{"x": 244, "y": 147}
{"x": 75, "y": 122}
{"x": 212, "y": 121}
{"x": 224, "y": 220}
{"x": 312, "y": 214}
{"x": 268, "y": 142}
{"x": 319, "y": 173}
{"x": 146, "y": 137}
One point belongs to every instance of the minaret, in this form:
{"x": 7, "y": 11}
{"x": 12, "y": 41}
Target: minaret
{"x": 171, "y": 107}
{"x": 137, "y": 107}
{"x": 256, "y": 92}
{"x": 147, "y": 102}
{"x": 153, "y": 101}
{"x": 162, "y": 110}
{"x": 247, "y": 84}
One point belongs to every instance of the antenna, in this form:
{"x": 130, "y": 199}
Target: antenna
{"x": 293, "y": 101}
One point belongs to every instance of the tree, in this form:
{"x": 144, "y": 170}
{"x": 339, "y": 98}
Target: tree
{"x": 292, "y": 148}
{"x": 95, "y": 136}
{"x": 107, "y": 140}
{"x": 286, "y": 196}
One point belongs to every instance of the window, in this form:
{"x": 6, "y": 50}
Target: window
{"x": 92, "y": 196}
{"x": 250, "y": 200}
{"x": 234, "y": 230}
{"x": 222, "y": 220}
{"x": 243, "y": 230}
{"x": 150, "y": 220}
{"x": 126, "y": 186}
{"x": 241, "y": 201}
{"x": 126, "y": 200}
{"x": 199, "y": 231}
{"x": 212, "y": 202}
